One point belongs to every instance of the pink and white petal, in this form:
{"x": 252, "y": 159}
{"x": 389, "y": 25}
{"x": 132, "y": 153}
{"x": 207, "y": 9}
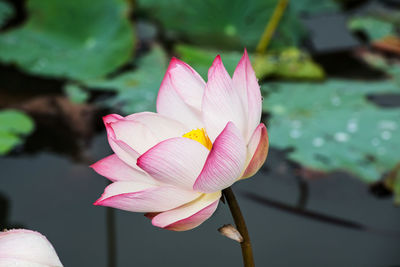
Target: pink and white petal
{"x": 246, "y": 84}
{"x": 26, "y": 247}
{"x": 163, "y": 127}
{"x": 113, "y": 168}
{"x": 142, "y": 197}
{"x": 176, "y": 161}
{"x": 188, "y": 216}
{"x": 225, "y": 163}
{"x": 170, "y": 104}
{"x": 187, "y": 83}
{"x": 124, "y": 152}
{"x": 120, "y": 148}
{"x": 135, "y": 134}
{"x": 221, "y": 103}
{"x": 10, "y": 262}
{"x": 257, "y": 151}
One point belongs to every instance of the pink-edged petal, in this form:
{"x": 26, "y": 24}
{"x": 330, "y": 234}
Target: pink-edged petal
{"x": 176, "y": 161}
{"x": 187, "y": 83}
{"x": 170, "y": 104}
{"x": 221, "y": 103}
{"x": 257, "y": 151}
{"x": 26, "y": 248}
{"x": 246, "y": 84}
{"x": 115, "y": 169}
{"x": 188, "y": 216}
{"x": 142, "y": 197}
{"x": 163, "y": 127}
{"x": 120, "y": 148}
{"x": 135, "y": 134}
{"x": 225, "y": 163}
{"x": 143, "y": 130}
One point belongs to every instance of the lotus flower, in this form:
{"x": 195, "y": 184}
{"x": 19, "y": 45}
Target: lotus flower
{"x": 173, "y": 164}
{"x": 26, "y": 248}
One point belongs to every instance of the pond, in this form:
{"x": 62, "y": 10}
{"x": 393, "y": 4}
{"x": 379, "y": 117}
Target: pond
{"x": 53, "y": 194}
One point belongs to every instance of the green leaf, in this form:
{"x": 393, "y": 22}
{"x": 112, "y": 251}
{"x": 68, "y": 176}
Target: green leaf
{"x": 314, "y": 6}
{"x": 13, "y": 125}
{"x": 6, "y": 12}
{"x": 223, "y": 23}
{"x": 332, "y": 126}
{"x": 374, "y": 27}
{"x": 78, "y": 39}
{"x": 136, "y": 90}
{"x": 75, "y": 93}
{"x": 289, "y": 63}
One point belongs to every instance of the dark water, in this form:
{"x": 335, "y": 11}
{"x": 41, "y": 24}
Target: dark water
{"x": 51, "y": 194}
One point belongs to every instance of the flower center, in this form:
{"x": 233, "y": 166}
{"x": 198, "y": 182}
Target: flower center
{"x": 200, "y": 136}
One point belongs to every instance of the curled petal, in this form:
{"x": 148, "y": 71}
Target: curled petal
{"x": 181, "y": 93}
{"x": 225, "y": 163}
{"x": 221, "y": 103}
{"x": 143, "y": 130}
{"x": 257, "y": 151}
{"x": 188, "y": 216}
{"x": 26, "y": 248}
{"x": 246, "y": 85}
{"x": 115, "y": 169}
{"x": 141, "y": 197}
{"x": 176, "y": 161}
{"x": 120, "y": 148}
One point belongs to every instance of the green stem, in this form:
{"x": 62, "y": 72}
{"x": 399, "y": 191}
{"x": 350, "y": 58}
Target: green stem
{"x": 271, "y": 26}
{"x": 247, "y": 253}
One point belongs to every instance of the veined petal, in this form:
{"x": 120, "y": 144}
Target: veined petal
{"x": 163, "y": 127}
{"x": 181, "y": 93}
{"x": 257, "y": 151}
{"x": 188, "y": 216}
{"x": 115, "y": 169}
{"x": 246, "y": 85}
{"x": 170, "y": 104}
{"x": 142, "y": 131}
{"x": 142, "y": 197}
{"x": 187, "y": 83}
{"x": 176, "y": 161}
{"x": 26, "y": 248}
{"x": 221, "y": 103}
{"x": 120, "y": 148}
{"x": 225, "y": 163}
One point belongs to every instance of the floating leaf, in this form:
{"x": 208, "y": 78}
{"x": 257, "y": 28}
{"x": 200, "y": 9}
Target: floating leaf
{"x": 78, "y": 39}
{"x": 332, "y": 126}
{"x": 75, "y": 93}
{"x": 374, "y": 27}
{"x": 289, "y": 63}
{"x": 13, "y": 125}
{"x": 6, "y": 12}
{"x": 136, "y": 90}
{"x": 314, "y": 6}
{"x": 223, "y": 23}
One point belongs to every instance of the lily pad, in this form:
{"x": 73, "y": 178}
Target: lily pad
{"x": 223, "y": 23}
{"x": 14, "y": 125}
{"x": 6, "y": 12}
{"x": 75, "y": 93}
{"x": 332, "y": 126}
{"x": 136, "y": 90}
{"x": 374, "y": 27}
{"x": 78, "y": 39}
{"x": 289, "y": 63}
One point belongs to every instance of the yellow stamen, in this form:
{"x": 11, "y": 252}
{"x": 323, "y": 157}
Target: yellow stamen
{"x": 200, "y": 136}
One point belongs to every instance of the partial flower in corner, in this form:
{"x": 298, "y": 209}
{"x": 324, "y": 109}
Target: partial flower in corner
{"x": 173, "y": 164}
{"x": 26, "y": 248}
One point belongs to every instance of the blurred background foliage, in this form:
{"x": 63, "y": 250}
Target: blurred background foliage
{"x": 321, "y": 102}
